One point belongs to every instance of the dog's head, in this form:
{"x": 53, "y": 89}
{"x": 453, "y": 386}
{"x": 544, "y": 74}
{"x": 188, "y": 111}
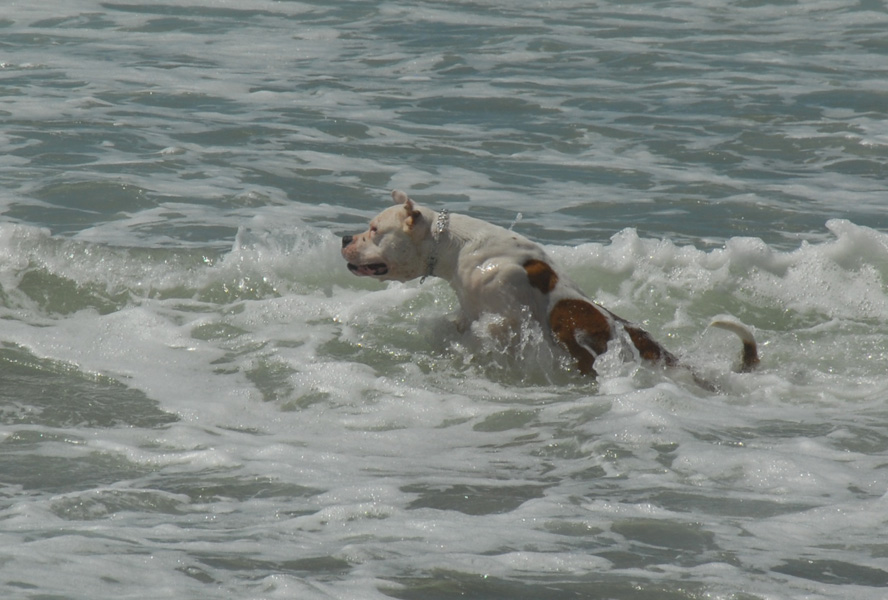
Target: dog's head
{"x": 396, "y": 246}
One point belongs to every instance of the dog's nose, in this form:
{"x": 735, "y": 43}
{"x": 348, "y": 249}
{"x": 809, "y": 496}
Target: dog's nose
{"x": 346, "y": 240}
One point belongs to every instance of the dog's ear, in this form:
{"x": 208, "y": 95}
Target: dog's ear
{"x": 399, "y": 197}
{"x": 413, "y": 215}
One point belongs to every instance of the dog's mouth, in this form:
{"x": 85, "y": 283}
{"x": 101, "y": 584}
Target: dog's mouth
{"x": 370, "y": 270}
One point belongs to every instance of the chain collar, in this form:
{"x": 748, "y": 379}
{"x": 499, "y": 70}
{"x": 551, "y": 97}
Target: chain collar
{"x": 439, "y": 229}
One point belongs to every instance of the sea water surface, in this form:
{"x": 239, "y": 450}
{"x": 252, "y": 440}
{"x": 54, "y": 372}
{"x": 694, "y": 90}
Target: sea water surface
{"x": 197, "y": 400}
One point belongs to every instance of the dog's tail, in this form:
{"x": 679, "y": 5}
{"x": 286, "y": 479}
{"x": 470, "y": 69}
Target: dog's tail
{"x": 749, "y": 357}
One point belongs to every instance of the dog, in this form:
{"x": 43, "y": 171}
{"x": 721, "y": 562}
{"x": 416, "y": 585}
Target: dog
{"x": 495, "y": 271}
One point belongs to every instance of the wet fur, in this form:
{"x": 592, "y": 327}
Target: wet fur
{"x": 493, "y": 270}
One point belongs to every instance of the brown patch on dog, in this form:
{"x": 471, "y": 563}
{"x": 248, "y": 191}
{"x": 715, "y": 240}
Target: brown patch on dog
{"x": 647, "y": 347}
{"x": 582, "y": 328}
{"x": 541, "y": 275}
{"x": 750, "y": 357}
{"x": 585, "y": 330}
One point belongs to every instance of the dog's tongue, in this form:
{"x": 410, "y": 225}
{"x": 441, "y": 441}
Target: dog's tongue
{"x": 371, "y": 270}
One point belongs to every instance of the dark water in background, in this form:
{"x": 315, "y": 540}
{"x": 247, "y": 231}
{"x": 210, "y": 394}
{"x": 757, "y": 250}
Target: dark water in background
{"x": 199, "y": 401}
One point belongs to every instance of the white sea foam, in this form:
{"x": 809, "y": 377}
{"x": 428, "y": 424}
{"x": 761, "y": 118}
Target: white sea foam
{"x": 198, "y": 399}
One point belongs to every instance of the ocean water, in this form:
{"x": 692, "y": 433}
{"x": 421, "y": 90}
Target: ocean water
{"x": 197, "y": 400}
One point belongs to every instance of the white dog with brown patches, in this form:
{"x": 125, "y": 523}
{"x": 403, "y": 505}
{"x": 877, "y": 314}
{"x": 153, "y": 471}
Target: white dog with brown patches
{"x": 496, "y": 271}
